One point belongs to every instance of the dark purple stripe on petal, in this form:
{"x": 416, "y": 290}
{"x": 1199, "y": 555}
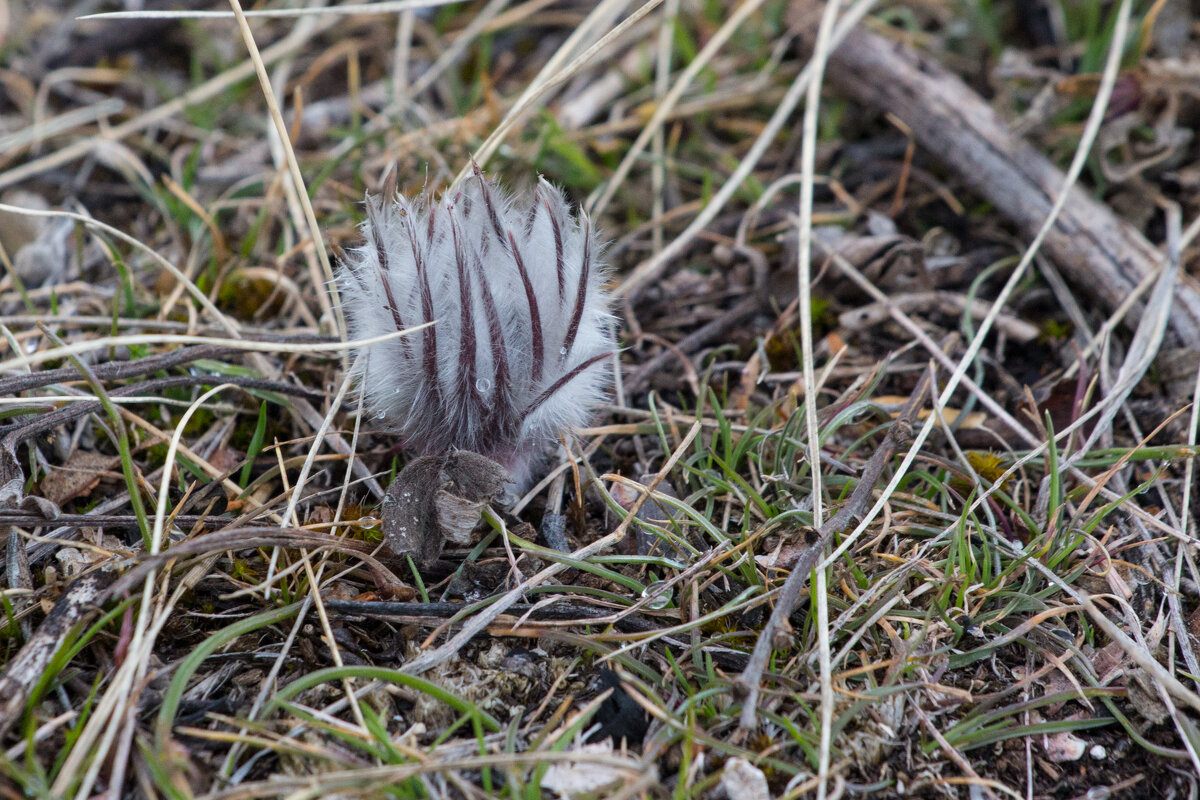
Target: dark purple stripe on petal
{"x": 429, "y": 334}
{"x": 463, "y": 205}
{"x": 581, "y": 292}
{"x": 531, "y": 215}
{"x": 563, "y": 381}
{"x": 374, "y": 213}
{"x": 488, "y": 201}
{"x": 501, "y": 415}
{"x": 535, "y": 319}
{"x": 558, "y": 250}
{"x": 495, "y": 329}
{"x": 466, "y": 351}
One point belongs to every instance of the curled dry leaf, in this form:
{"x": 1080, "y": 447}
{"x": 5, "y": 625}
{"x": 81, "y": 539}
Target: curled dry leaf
{"x": 436, "y": 498}
{"x": 77, "y": 478}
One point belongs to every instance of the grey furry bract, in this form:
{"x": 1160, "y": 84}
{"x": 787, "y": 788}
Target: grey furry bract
{"x": 522, "y": 320}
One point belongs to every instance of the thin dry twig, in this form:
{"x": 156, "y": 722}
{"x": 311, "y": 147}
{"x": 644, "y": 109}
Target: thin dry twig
{"x": 898, "y": 435}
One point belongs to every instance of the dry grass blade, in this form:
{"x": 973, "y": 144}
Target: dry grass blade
{"x": 1095, "y": 117}
{"x": 381, "y": 7}
{"x": 552, "y": 75}
{"x": 804, "y": 276}
{"x": 79, "y": 602}
{"x": 199, "y": 94}
{"x": 647, "y": 270}
{"x": 481, "y": 620}
{"x": 297, "y": 188}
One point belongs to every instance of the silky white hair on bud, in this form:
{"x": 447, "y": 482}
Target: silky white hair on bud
{"x": 523, "y": 326}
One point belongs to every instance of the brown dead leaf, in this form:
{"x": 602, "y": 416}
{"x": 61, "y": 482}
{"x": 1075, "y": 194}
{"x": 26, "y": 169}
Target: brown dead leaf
{"x": 78, "y": 477}
{"x": 225, "y": 459}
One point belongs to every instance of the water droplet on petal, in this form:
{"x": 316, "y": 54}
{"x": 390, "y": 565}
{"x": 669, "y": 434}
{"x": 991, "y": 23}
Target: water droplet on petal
{"x": 483, "y": 385}
{"x": 562, "y": 351}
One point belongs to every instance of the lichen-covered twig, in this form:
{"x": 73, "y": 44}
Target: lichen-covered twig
{"x": 80, "y": 602}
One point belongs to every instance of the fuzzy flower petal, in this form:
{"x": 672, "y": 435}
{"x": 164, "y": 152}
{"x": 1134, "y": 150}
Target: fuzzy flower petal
{"x": 523, "y": 322}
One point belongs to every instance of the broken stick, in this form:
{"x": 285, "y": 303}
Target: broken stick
{"x": 1097, "y": 250}
{"x": 774, "y": 634}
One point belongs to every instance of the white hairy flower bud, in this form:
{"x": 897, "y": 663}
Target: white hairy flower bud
{"x": 522, "y": 320}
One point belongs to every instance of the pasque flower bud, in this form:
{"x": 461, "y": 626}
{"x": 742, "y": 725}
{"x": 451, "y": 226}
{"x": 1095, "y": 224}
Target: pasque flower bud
{"x": 522, "y": 320}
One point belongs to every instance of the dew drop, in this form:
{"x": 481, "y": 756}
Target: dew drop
{"x": 562, "y": 351}
{"x": 660, "y": 596}
{"x": 381, "y": 415}
{"x": 483, "y": 385}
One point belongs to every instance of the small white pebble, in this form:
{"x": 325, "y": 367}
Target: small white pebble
{"x": 1098, "y": 752}
{"x": 741, "y": 780}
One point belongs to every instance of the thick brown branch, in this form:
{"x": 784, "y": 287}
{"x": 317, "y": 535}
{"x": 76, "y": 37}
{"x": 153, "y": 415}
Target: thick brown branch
{"x": 1101, "y": 253}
